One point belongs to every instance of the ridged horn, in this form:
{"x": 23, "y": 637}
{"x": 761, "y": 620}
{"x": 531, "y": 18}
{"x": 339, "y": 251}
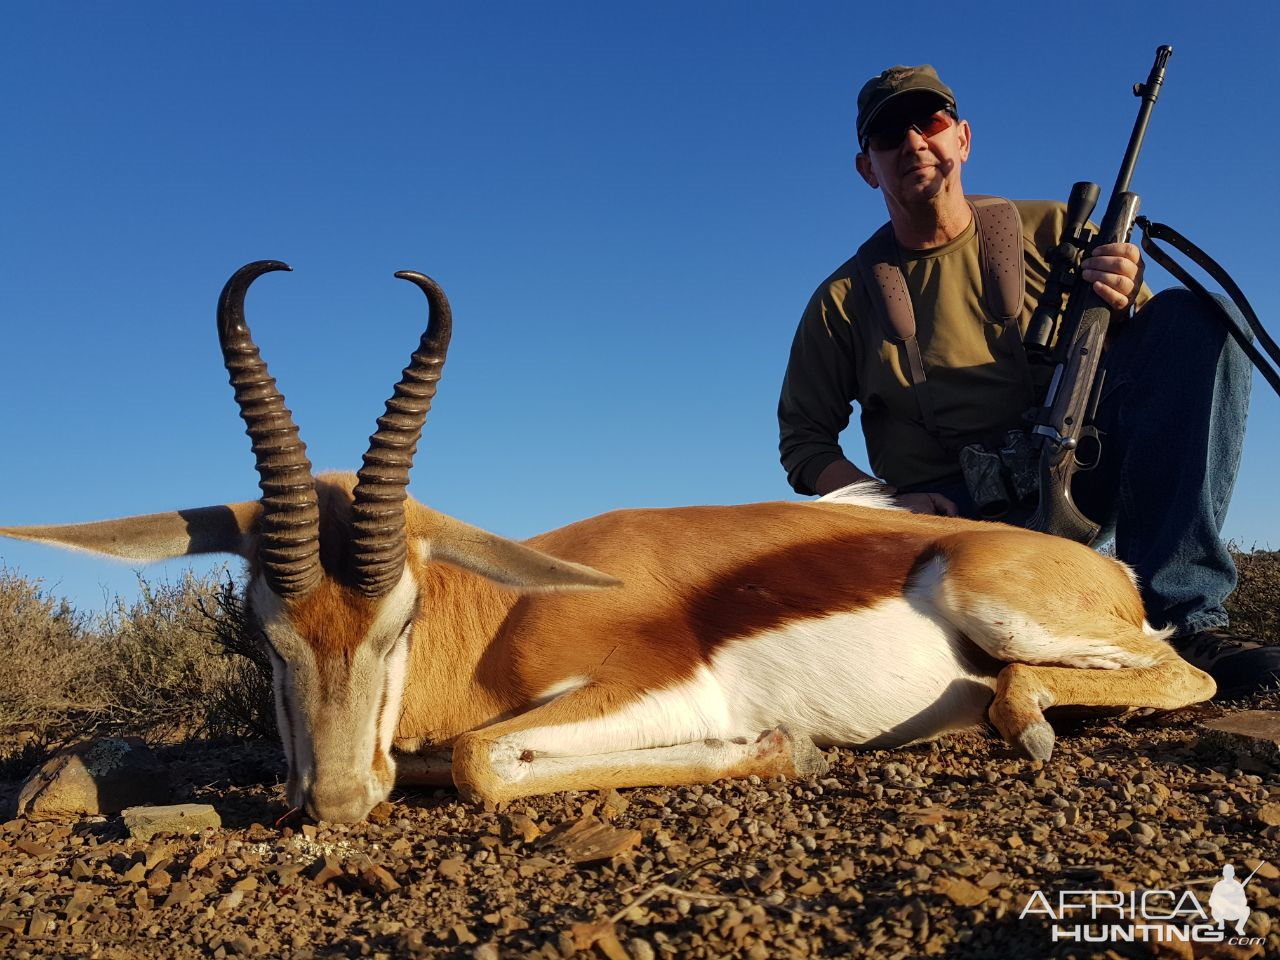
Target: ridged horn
{"x": 289, "y": 545}
{"x": 378, "y": 514}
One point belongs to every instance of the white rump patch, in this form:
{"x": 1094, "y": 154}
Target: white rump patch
{"x": 863, "y": 493}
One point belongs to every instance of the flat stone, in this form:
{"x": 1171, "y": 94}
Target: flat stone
{"x": 587, "y": 839}
{"x": 325, "y": 870}
{"x": 81, "y": 870}
{"x": 451, "y": 869}
{"x": 1267, "y": 871}
{"x": 379, "y": 879}
{"x": 963, "y": 893}
{"x": 1253, "y": 732}
{"x": 99, "y": 777}
{"x": 183, "y": 819}
{"x": 37, "y": 850}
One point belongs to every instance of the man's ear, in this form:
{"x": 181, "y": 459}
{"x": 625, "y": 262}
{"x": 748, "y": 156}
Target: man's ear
{"x": 863, "y": 163}
{"x": 966, "y": 140}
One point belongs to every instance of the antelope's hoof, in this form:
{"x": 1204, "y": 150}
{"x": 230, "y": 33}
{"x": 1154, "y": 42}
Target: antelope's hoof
{"x": 1036, "y": 741}
{"x": 795, "y": 754}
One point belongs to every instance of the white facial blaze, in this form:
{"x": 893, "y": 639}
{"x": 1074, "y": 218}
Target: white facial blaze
{"x": 397, "y": 661}
{"x": 333, "y": 727}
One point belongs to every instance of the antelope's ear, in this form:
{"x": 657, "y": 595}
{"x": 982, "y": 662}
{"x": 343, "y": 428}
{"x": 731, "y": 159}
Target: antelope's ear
{"x": 505, "y": 561}
{"x": 156, "y": 536}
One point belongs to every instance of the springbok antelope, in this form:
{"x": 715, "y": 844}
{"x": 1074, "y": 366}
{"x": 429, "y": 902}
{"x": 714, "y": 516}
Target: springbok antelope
{"x": 638, "y": 647}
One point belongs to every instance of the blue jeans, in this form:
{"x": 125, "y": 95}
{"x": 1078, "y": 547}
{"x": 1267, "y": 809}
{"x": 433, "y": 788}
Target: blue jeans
{"x": 1172, "y": 418}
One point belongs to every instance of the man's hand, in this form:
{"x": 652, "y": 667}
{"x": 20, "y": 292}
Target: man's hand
{"x": 934, "y": 503}
{"x": 1115, "y": 269}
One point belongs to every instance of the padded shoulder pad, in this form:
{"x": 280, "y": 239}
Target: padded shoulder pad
{"x": 877, "y": 262}
{"x": 1000, "y": 243}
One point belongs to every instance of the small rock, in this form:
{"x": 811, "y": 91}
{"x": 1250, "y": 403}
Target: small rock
{"x": 135, "y": 874}
{"x": 613, "y": 805}
{"x": 99, "y": 777}
{"x": 15, "y": 925}
{"x": 451, "y": 869}
{"x": 587, "y": 839}
{"x": 325, "y": 870}
{"x": 379, "y": 879}
{"x": 184, "y": 819}
{"x": 81, "y": 870}
{"x": 522, "y": 826}
{"x": 962, "y": 893}
{"x": 79, "y": 902}
{"x": 1269, "y": 814}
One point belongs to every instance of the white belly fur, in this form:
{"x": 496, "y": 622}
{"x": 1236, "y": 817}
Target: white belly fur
{"x": 883, "y": 677}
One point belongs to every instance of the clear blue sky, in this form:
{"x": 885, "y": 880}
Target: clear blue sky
{"x": 628, "y": 205}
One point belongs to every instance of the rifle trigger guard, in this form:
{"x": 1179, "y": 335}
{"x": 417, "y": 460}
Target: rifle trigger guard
{"x": 1088, "y": 449}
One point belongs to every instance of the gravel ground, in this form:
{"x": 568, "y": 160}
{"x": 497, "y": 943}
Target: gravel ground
{"x": 928, "y": 851}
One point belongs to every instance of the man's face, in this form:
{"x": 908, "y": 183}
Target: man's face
{"x": 927, "y": 159}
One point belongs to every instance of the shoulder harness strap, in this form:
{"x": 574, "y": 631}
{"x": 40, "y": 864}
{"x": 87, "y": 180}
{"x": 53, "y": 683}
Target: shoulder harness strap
{"x": 1003, "y": 283}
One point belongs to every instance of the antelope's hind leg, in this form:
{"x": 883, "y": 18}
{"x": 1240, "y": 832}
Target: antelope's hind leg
{"x": 1024, "y": 691}
{"x": 593, "y": 739}
{"x": 1068, "y": 623}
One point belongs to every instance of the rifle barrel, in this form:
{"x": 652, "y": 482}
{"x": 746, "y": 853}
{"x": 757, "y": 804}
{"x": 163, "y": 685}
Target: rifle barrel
{"x": 1149, "y": 92}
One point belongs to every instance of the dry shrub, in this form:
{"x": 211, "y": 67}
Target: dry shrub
{"x": 243, "y": 706}
{"x": 177, "y": 665}
{"x": 178, "y": 662}
{"x": 1254, "y": 607}
{"x": 48, "y": 680}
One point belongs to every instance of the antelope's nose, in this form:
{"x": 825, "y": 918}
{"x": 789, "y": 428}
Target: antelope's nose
{"x": 342, "y": 803}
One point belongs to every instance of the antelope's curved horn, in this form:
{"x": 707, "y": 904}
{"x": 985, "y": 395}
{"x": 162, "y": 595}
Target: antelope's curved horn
{"x": 378, "y": 514}
{"x": 289, "y": 546}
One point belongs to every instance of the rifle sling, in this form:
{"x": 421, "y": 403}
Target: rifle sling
{"x": 1160, "y": 231}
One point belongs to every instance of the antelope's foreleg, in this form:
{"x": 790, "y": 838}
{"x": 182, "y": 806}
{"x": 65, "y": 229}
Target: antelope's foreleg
{"x": 430, "y": 767}
{"x": 589, "y": 740}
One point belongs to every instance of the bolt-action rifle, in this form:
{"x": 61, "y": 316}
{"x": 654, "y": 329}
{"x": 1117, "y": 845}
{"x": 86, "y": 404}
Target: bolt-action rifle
{"x": 1037, "y": 466}
{"x": 1071, "y": 340}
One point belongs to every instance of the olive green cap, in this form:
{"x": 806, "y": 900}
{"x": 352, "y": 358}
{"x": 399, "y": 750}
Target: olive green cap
{"x": 880, "y": 91}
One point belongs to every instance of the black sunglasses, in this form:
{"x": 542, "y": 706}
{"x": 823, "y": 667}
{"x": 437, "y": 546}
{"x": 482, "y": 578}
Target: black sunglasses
{"x": 927, "y": 126}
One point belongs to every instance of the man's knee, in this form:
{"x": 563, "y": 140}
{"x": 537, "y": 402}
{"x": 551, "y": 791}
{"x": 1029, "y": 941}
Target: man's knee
{"x": 1193, "y": 313}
